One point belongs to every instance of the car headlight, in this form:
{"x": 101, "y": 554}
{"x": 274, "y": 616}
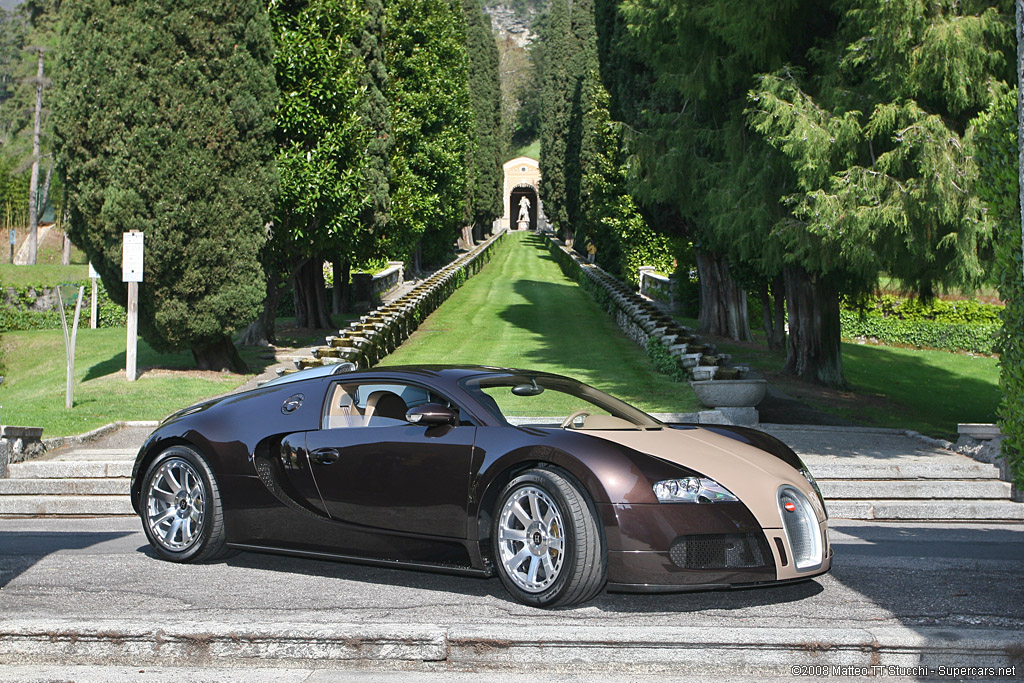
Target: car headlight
{"x": 692, "y": 490}
{"x": 814, "y": 484}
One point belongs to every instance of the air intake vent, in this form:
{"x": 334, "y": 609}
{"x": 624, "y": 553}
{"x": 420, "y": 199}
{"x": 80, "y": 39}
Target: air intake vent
{"x": 801, "y": 526}
{"x": 720, "y": 551}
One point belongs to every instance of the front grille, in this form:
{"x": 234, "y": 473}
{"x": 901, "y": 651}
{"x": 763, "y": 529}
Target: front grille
{"x": 801, "y": 526}
{"x": 720, "y": 551}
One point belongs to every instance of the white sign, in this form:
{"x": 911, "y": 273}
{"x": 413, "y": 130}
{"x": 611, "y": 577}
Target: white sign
{"x": 131, "y": 257}
{"x": 14, "y": 236}
{"x": 92, "y": 272}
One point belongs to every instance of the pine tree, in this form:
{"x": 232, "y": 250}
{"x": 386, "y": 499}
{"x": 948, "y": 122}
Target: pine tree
{"x": 557, "y": 89}
{"x": 163, "y": 123}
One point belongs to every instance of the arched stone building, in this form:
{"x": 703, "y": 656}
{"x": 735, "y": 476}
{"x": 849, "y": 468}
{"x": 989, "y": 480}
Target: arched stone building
{"x": 522, "y": 179}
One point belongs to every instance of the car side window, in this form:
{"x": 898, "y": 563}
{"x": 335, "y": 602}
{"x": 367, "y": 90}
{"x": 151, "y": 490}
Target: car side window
{"x": 375, "y": 404}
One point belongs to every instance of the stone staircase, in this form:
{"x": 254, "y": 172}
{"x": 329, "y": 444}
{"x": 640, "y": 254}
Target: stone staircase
{"x": 83, "y": 482}
{"x": 886, "y": 474}
{"x": 863, "y": 473}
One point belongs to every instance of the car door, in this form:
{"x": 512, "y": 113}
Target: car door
{"x": 374, "y": 469}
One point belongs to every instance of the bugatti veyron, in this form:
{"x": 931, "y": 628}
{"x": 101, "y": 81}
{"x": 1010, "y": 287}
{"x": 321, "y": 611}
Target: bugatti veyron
{"x": 552, "y": 485}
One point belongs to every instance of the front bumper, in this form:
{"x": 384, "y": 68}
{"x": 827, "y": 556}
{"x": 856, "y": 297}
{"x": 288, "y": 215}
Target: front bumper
{"x": 641, "y": 539}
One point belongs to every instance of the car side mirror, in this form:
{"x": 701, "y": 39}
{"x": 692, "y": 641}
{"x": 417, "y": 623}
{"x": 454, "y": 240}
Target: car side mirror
{"x": 431, "y": 415}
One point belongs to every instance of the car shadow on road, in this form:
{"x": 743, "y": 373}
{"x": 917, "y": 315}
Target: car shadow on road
{"x": 20, "y": 550}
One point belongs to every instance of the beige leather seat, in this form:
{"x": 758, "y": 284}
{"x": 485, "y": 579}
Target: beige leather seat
{"x": 384, "y": 404}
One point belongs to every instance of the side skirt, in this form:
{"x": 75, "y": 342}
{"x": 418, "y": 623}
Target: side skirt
{"x": 399, "y": 564}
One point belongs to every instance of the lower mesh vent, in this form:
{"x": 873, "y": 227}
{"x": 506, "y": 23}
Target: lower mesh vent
{"x": 720, "y": 551}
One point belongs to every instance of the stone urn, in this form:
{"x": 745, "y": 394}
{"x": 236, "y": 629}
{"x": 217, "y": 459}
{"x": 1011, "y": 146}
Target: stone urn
{"x": 730, "y": 393}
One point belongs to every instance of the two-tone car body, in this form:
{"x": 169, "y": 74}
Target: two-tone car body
{"x": 460, "y": 469}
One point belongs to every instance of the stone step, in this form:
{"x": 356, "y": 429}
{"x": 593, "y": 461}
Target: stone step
{"x": 65, "y": 505}
{"x": 95, "y": 486}
{"x": 904, "y": 468}
{"x": 940, "y": 510}
{"x": 70, "y": 469}
{"x": 873, "y": 489}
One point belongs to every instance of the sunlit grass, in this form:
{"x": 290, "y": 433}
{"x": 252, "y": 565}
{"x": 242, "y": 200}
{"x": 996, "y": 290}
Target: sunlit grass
{"x": 33, "y": 391}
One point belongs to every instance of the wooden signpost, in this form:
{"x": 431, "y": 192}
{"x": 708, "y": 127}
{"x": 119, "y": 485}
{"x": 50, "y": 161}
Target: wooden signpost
{"x": 94, "y": 307}
{"x": 131, "y": 272}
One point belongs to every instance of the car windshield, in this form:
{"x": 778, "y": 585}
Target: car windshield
{"x": 550, "y": 400}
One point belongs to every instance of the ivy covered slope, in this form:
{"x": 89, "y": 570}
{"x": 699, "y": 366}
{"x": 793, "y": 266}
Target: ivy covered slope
{"x": 164, "y": 114}
{"x": 994, "y": 145}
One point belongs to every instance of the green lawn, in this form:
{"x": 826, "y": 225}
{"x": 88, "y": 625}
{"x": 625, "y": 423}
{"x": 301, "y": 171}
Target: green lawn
{"x": 21, "y": 276}
{"x": 927, "y": 391}
{"x": 531, "y": 150}
{"x": 33, "y": 391}
{"x": 521, "y": 311}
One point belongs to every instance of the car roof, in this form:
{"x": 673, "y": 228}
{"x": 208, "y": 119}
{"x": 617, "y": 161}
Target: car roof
{"x": 447, "y": 372}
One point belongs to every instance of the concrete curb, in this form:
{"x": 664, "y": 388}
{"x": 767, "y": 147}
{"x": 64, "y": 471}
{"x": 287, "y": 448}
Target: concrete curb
{"x": 79, "y": 439}
{"x": 711, "y": 650}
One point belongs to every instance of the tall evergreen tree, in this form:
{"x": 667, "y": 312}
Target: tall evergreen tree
{"x": 557, "y": 88}
{"x": 426, "y": 55}
{"x": 164, "y": 120}
{"x": 873, "y": 135}
{"x": 485, "y": 182}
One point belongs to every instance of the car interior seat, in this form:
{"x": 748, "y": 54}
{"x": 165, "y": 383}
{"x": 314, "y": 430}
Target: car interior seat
{"x": 384, "y": 404}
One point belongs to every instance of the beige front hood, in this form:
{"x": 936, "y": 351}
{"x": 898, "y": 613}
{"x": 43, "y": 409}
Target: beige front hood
{"x": 753, "y": 475}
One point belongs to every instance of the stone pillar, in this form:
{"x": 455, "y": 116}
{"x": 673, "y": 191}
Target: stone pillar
{"x": 5, "y": 459}
{"x": 401, "y": 271}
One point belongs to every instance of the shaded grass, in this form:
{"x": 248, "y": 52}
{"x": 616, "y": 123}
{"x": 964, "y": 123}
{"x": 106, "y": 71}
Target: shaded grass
{"x": 920, "y": 389}
{"x": 521, "y": 311}
{"x": 33, "y": 391}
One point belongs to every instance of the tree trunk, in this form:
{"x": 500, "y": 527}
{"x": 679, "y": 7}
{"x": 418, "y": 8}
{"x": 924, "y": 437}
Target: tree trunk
{"x": 814, "y": 353}
{"x": 767, "y": 320}
{"x": 33, "y": 185}
{"x": 310, "y": 296}
{"x": 46, "y": 189}
{"x": 219, "y": 356}
{"x": 65, "y": 253}
{"x": 776, "y": 328}
{"x": 723, "y": 302}
{"x": 262, "y": 332}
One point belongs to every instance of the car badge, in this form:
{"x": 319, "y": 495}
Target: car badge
{"x": 292, "y": 403}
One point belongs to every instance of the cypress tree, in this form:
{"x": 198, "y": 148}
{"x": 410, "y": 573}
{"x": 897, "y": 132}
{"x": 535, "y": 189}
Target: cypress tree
{"x": 163, "y": 123}
{"x": 557, "y": 90}
{"x": 485, "y": 181}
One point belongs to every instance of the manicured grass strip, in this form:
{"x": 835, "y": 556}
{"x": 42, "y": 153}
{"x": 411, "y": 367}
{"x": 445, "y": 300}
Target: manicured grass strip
{"x": 924, "y": 390}
{"x": 33, "y": 392}
{"x": 934, "y": 390}
{"x": 521, "y": 311}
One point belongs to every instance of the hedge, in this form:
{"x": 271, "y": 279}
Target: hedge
{"x": 19, "y": 316}
{"x": 976, "y": 337}
{"x": 961, "y": 312}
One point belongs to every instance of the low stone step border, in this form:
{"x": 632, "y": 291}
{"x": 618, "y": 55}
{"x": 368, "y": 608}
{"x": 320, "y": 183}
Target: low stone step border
{"x": 714, "y": 650}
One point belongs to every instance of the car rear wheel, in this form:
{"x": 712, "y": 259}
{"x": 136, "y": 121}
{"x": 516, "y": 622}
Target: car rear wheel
{"x": 547, "y": 545}
{"x": 181, "y": 509}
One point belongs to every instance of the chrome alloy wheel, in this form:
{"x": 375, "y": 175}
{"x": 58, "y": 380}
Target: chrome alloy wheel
{"x": 531, "y": 539}
{"x": 176, "y": 505}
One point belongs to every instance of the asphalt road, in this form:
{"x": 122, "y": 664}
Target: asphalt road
{"x": 913, "y": 575}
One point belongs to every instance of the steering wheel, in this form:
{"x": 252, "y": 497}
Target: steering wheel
{"x": 567, "y": 422}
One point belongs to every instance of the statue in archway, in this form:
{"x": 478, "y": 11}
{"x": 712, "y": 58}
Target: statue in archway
{"x": 524, "y": 209}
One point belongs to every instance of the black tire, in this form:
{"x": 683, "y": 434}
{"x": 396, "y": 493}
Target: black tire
{"x": 202, "y": 514}
{"x": 580, "y": 573}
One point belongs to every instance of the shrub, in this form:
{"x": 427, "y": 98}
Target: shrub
{"x": 964, "y": 312}
{"x": 976, "y": 337}
{"x": 663, "y": 361}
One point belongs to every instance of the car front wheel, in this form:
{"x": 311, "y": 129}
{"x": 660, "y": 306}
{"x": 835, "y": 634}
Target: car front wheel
{"x": 181, "y": 509}
{"x": 547, "y": 545}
